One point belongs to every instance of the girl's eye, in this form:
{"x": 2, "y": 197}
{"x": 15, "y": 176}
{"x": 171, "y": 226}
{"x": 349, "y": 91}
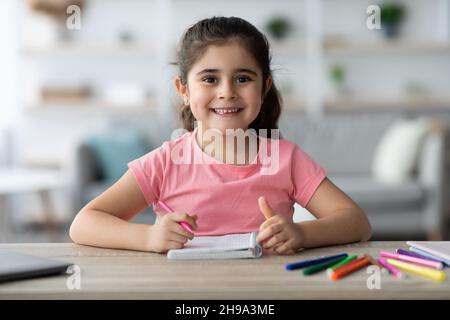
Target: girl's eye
{"x": 212, "y": 80}
{"x": 242, "y": 79}
{"x": 209, "y": 79}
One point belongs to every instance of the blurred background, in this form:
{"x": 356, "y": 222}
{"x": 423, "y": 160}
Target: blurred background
{"x": 86, "y": 86}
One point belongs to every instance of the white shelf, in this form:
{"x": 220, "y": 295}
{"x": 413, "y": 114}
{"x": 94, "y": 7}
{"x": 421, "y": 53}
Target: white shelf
{"x": 386, "y": 47}
{"x": 355, "y": 103}
{"x": 288, "y": 47}
{"x": 311, "y": 45}
{"x": 293, "y": 103}
{"x": 73, "y": 50}
{"x": 89, "y": 105}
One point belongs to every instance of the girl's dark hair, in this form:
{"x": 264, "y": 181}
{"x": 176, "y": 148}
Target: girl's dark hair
{"x": 217, "y": 31}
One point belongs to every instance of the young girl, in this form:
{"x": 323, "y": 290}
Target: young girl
{"x": 226, "y": 84}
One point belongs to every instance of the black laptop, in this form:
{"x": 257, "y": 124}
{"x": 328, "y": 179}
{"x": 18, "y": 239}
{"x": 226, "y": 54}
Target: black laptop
{"x": 14, "y": 266}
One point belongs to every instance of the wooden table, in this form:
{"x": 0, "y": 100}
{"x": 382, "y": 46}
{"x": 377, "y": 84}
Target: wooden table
{"x": 121, "y": 274}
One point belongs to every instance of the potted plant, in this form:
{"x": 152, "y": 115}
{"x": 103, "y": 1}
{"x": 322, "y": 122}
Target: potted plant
{"x": 278, "y": 27}
{"x": 392, "y": 15}
{"x": 337, "y": 77}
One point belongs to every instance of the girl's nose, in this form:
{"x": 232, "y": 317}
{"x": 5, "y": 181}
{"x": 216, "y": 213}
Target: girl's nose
{"x": 227, "y": 91}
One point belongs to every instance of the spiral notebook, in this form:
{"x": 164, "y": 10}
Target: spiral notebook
{"x": 231, "y": 246}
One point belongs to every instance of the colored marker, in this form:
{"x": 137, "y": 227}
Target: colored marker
{"x": 341, "y": 263}
{"x": 308, "y": 263}
{"x": 392, "y": 270}
{"x": 430, "y": 256}
{"x": 422, "y": 271}
{"x": 413, "y": 254}
{"x": 322, "y": 266}
{"x": 184, "y": 224}
{"x": 422, "y": 262}
{"x": 348, "y": 268}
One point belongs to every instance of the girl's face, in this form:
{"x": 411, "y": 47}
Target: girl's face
{"x": 224, "y": 88}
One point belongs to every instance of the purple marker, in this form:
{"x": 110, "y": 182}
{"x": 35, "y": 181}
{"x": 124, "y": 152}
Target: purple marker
{"x": 413, "y": 254}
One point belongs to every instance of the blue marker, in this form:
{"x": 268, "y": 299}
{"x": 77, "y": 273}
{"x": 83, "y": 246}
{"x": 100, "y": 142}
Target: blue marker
{"x": 307, "y": 263}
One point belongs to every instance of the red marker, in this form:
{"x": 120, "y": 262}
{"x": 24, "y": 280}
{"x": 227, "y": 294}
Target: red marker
{"x": 184, "y": 224}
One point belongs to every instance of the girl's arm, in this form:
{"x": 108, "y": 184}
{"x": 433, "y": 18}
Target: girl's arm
{"x": 104, "y": 222}
{"x": 339, "y": 219}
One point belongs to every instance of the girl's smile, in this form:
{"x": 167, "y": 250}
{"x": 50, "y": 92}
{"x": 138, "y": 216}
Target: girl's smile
{"x": 227, "y": 111}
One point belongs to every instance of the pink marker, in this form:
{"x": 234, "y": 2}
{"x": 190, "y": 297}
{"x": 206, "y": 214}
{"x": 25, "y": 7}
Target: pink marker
{"x": 184, "y": 224}
{"x": 392, "y": 270}
{"x": 422, "y": 262}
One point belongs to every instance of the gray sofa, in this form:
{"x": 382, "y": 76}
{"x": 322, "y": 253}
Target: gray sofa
{"x": 88, "y": 180}
{"x": 345, "y": 145}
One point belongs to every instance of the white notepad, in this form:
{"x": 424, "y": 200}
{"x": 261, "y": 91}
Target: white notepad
{"x": 232, "y": 246}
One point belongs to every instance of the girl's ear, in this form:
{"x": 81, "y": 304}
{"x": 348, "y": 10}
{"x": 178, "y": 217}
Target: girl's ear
{"x": 268, "y": 84}
{"x": 181, "y": 88}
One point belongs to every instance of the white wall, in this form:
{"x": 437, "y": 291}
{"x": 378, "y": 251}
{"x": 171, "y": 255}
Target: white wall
{"x": 7, "y": 62}
{"x": 8, "y": 67}
{"x": 158, "y": 23}
{"x": 385, "y": 75}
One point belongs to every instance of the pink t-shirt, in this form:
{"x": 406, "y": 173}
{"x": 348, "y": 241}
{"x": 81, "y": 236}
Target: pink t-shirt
{"x": 224, "y": 196}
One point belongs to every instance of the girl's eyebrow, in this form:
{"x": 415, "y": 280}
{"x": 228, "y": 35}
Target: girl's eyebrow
{"x": 237, "y": 70}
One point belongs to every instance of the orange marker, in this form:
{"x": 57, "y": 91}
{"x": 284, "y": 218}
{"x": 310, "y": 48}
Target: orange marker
{"x": 348, "y": 268}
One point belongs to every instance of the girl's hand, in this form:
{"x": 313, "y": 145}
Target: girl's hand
{"x": 167, "y": 233}
{"x": 277, "y": 234}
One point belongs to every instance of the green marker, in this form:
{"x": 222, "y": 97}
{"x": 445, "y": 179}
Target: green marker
{"x": 322, "y": 266}
{"x": 341, "y": 263}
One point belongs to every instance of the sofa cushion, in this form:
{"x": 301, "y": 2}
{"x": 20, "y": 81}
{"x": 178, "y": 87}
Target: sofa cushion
{"x": 398, "y": 151}
{"x": 113, "y": 150}
{"x": 368, "y": 193}
{"x": 341, "y": 143}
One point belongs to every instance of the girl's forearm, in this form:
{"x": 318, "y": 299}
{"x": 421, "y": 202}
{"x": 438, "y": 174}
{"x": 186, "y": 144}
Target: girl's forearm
{"x": 101, "y": 229}
{"x": 343, "y": 226}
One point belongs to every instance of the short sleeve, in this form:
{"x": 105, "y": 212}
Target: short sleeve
{"x": 149, "y": 172}
{"x": 306, "y": 176}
